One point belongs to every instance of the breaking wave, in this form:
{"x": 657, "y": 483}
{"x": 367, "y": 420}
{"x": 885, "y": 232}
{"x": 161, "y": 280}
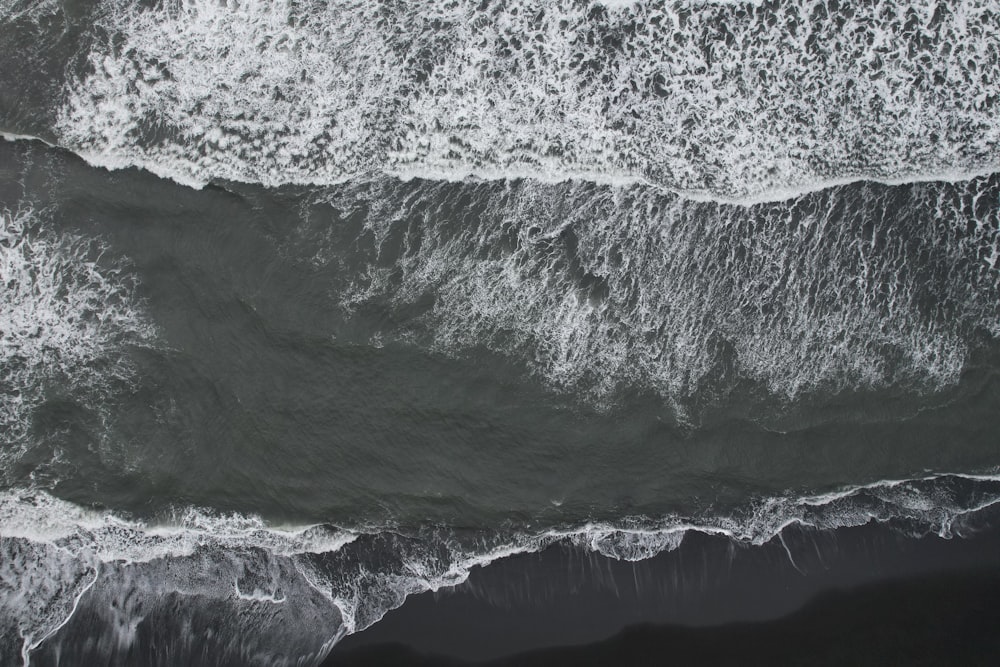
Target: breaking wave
{"x": 602, "y": 289}
{"x": 734, "y": 100}
{"x": 243, "y": 592}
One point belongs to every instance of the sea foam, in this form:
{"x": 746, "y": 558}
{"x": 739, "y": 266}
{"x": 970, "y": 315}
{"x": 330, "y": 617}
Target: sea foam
{"x": 284, "y": 596}
{"x": 12, "y": 10}
{"x": 735, "y": 100}
{"x": 605, "y": 289}
{"x": 67, "y": 317}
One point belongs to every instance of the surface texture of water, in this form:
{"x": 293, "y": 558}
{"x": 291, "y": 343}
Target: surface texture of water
{"x": 310, "y": 306}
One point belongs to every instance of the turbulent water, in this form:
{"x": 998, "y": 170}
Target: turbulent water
{"x": 308, "y": 306}
{"x": 733, "y": 98}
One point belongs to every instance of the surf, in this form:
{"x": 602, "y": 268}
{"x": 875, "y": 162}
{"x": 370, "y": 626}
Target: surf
{"x": 735, "y": 101}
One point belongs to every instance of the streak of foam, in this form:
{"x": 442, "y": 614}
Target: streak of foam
{"x": 286, "y": 599}
{"x": 725, "y": 99}
{"x": 66, "y": 318}
{"x": 605, "y": 289}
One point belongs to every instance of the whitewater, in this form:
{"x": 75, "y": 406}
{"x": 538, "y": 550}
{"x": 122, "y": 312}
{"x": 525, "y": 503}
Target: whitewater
{"x": 742, "y": 101}
{"x": 124, "y": 571}
{"x": 455, "y": 281}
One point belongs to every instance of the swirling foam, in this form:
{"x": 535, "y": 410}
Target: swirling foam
{"x": 66, "y": 317}
{"x": 54, "y": 552}
{"x": 732, "y": 99}
{"x": 605, "y": 289}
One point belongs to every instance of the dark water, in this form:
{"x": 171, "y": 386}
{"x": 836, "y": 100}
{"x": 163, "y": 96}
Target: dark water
{"x": 377, "y": 294}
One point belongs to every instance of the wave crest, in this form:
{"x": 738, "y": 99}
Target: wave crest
{"x": 734, "y": 99}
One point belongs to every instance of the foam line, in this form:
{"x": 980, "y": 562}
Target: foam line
{"x": 110, "y": 163}
{"x": 30, "y": 643}
{"x": 345, "y": 591}
{"x": 12, "y": 137}
{"x": 108, "y": 537}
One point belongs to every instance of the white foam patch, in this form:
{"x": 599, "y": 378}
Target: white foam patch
{"x": 735, "y": 99}
{"x": 65, "y": 318}
{"x": 41, "y": 518}
{"x": 285, "y": 590}
{"x": 602, "y": 289}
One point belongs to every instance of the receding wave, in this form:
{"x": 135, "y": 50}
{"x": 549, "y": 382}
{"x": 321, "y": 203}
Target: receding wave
{"x": 602, "y": 289}
{"x": 284, "y": 596}
{"x": 734, "y": 99}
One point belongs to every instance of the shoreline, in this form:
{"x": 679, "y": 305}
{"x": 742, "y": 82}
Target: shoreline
{"x": 563, "y": 603}
{"x": 939, "y": 619}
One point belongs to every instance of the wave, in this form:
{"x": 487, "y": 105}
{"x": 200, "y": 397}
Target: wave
{"x": 286, "y": 595}
{"x": 602, "y": 290}
{"x": 739, "y": 101}
{"x": 772, "y": 195}
{"x": 67, "y": 318}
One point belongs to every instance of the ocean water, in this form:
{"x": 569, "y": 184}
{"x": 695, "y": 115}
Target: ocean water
{"x": 310, "y": 306}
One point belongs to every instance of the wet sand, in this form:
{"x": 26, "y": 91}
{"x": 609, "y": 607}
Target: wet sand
{"x": 864, "y": 595}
